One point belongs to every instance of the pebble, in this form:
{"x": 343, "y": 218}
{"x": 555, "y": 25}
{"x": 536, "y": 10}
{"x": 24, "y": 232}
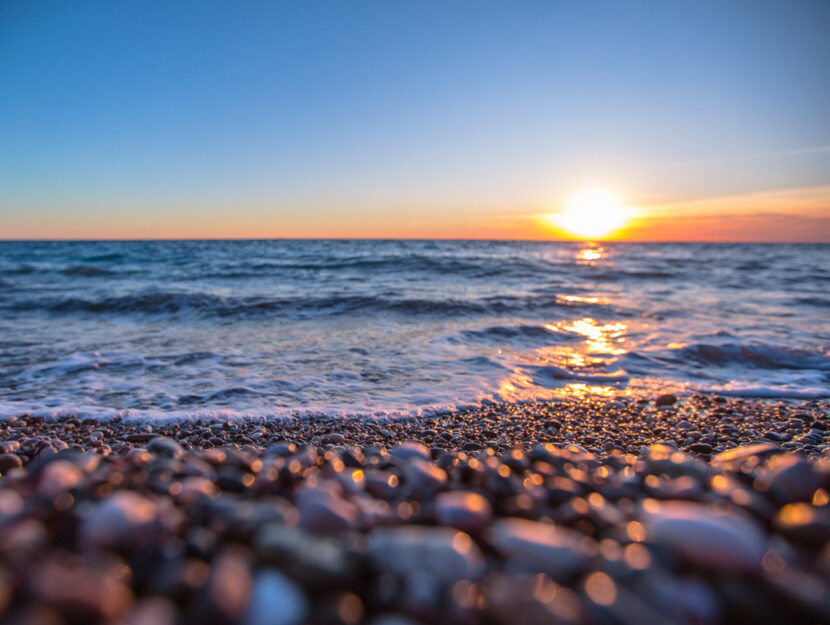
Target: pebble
{"x": 82, "y": 593}
{"x": 667, "y": 399}
{"x": 59, "y": 476}
{"x": 538, "y": 547}
{"x": 164, "y": 446}
{"x": 410, "y": 450}
{"x": 151, "y": 611}
{"x": 323, "y": 511}
{"x": 790, "y": 478}
{"x": 423, "y": 479}
{"x": 573, "y": 511}
{"x": 276, "y": 600}
{"x": 225, "y": 597}
{"x": 9, "y": 461}
{"x": 705, "y": 536}
{"x": 734, "y": 457}
{"x": 463, "y": 510}
{"x": 440, "y": 554}
{"x": 122, "y": 520}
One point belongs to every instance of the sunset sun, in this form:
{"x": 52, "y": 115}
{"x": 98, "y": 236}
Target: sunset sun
{"x": 592, "y": 214}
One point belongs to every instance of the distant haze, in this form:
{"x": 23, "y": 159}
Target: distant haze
{"x": 413, "y": 120}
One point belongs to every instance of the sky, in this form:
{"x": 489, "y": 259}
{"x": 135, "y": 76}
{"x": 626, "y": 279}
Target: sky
{"x": 158, "y": 119}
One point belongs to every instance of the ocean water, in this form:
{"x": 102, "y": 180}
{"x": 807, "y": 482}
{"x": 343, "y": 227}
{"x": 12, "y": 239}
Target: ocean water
{"x": 199, "y": 328}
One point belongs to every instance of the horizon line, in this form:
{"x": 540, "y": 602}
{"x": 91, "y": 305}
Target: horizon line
{"x": 449, "y": 239}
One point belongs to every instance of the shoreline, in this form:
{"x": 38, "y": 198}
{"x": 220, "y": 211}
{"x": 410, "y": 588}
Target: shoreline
{"x": 702, "y": 510}
{"x": 599, "y": 425}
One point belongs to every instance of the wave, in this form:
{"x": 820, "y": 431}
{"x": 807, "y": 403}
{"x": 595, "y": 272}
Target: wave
{"x": 620, "y": 274}
{"x": 210, "y": 305}
{"x": 509, "y": 332}
{"x": 756, "y": 391}
{"x": 471, "y": 267}
{"x": 86, "y": 271}
{"x": 548, "y": 375}
{"x": 755, "y": 355}
{"x": 820, "y": 302}
{"x": 114, "y": 257}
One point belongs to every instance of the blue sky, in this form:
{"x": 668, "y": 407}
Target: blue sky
{"x": 327, "y": 118}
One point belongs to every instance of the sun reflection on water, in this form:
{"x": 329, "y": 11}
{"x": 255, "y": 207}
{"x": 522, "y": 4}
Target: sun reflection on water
{"x": 590, "y": 253}
{"x": 576, "y": 299}
{"x": 587, "y": 368}
{"x": 599, "y": 338}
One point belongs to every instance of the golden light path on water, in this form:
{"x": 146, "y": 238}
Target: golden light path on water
{"x": 590, "y": 360}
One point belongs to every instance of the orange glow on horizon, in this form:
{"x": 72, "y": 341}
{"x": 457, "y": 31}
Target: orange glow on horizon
{"x": 788, "y": 215}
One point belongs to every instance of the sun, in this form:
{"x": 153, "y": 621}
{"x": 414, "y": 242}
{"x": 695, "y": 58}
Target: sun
{"x": 592, "y": 214}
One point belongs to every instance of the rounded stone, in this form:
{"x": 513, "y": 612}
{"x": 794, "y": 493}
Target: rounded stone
{"x": 276, "y": 600}
{"x": 409, "y": 450}
{"x": 440, "y": 553}
{"x": 323, "y": 511}
{"x": 538, "y": 547}
{"x": 164, "y": 446}
{"x": 463, "y": 510}
{"x": 120, "y": 520}
{"x": 705, "y": 536}
{"x": 9, "y": 461}
{"x": 424, "y": 479}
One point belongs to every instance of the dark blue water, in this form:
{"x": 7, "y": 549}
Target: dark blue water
{"x": 268, "y": 327}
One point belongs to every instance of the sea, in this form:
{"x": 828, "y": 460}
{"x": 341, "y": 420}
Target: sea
{"x": 268, "y": 328}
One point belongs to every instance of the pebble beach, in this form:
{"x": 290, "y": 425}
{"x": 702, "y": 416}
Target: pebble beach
{"x": 690, "y": 509}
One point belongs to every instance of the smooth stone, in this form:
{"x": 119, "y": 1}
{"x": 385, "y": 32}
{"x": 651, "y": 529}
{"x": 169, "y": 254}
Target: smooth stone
{"x": 120, "y": 520}
{"x": 557, "y": 457}
{"x": 667, "y": 399}
{"x": 438, "y": 553}
{"x": 804, "y": 523}
{"x": 81, "y": 593}
{"x": 323, "y": 511}
{"x": 281, "y": 450}
{"x": 409, "y": 450}
{"x": 151, "y": 611}
{"x": 11, "y": 504}
{"x": 9, "y": 461}
{"x": 790, "y": 478}
{"x": 276, "y": 600}
{"x": 531, "y": 600}
{"x": 307, "y": 558}
{"x": 684, "y": 599}
{"x": 381, "y": 484}
{"x": 59, "y": 476}
{"x": 141, "y": 437}
{"x": 705, "y": 536}
{"x": 537, "y": 547}
{"x": 196, "y": 488}
{"x": 463, "y": 510}
{"x": 734, "y": 457}
{"x": 224, "y": 598}
{"x": 423, "y": 479}
{"x": 164, "y": 446}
